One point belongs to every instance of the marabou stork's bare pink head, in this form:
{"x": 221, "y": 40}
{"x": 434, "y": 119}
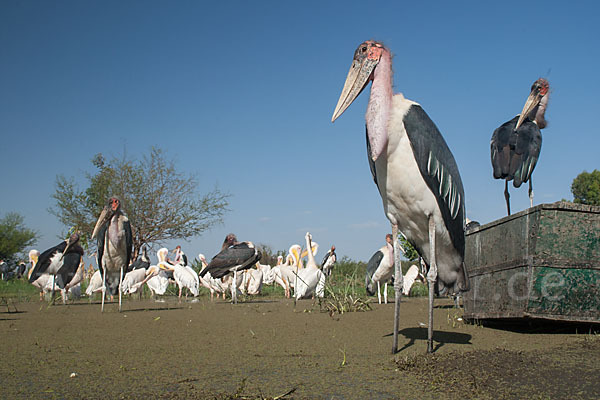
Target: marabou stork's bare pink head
{"x": 366, "y": 58}
{"x": 110, "y": 209}
{"x": 539, "y": 92}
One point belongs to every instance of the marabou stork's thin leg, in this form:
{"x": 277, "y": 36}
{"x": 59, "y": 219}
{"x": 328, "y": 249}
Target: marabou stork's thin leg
{"x": 385, "y": 293}
{"x": 431, "y": 279}
{"x": 120, "y": 283}
{"x": 507, "y": 196}
{"x": 378, "y": 292}
{"x": 103, "y": 288}
{"x": 53, "y": 286}
{"x": 233, "y": 289}
{"x": 530, "y": 193}
{"x": 397, "y": 286}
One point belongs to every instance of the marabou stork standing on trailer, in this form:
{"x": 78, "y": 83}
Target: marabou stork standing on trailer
{"x": 115, "y": 242}
{"x": 60, "y": 261}
{"x": 234, "y": 256}
{"x": 416, "y": 175}
{"x": 516, "y": 144}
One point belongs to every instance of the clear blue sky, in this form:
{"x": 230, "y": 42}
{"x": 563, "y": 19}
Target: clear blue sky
{"x": 241, "y": 94}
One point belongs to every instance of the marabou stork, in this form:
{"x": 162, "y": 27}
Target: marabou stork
{"x": 234, "y": 256}
{"x": 310, "y": 280}
{"x": 379, "y": 269}
{"x": 115, "y": 242}
{"x": 212, "y": 284}
{"x": 416, "y": 175}
{"x": 142, "y": 262}
{"x": 516, "y": 144}
{"x": 61, "y": 262}
{"x": 328, "y": 261}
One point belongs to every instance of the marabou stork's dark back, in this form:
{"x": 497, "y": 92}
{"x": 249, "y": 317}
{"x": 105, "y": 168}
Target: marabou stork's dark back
{"x": 61, "y": 261}
{"x": 516, "y": 144}
{"x": 234, "y": 256}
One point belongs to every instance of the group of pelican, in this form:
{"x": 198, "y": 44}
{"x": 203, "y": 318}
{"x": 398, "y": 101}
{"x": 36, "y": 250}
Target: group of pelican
{"x": 306, "y": 280}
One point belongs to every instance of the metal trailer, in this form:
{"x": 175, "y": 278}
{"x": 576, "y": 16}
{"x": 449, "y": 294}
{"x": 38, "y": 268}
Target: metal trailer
{"x": 543, "y": 262}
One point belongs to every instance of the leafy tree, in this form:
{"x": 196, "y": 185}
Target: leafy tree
{"x": 586, "y": 188}
{"x": 161, "y": 202}
{"x": 14, "y": 236}
{"x": 410, "y": 252}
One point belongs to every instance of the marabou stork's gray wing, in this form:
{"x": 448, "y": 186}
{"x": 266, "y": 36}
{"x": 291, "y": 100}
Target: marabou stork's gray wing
{"x": 515, "y": 154}
{"x": 240, "y": 254}
{"x": 138, "y": 264}
{"x": 44, "y": 261}
{"x": 128, "y": 240}
{"x": 439, "y": 170}
{"x": 71, "y": 262}
{"x": 371, "y": 162}
{"x": 372, "y": 266}
{"x": 100, "y": 250}
{"x": 325, "y": 258}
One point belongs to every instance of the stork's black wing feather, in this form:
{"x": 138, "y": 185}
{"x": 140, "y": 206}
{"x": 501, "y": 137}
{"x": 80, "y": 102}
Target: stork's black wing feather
{"x": 372, "y": 266}
{"x": 439, "y": 170}
{"x": 44, "y": 261}
{"x": 514, "y": 154}
{"x": 71, "y": 262}
{"x": 325, "y": 258}
{"x": 240, "y": 255}
{"x": 128, "y": 239}
{"x": 100, "y": 251}
{"x": 371, "y": 162}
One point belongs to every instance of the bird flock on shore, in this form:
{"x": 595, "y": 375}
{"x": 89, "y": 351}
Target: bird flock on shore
{"x": 421, "y": 191}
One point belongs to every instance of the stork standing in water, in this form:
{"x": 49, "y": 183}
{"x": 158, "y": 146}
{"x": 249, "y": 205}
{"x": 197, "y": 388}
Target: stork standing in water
{"x": 60, "y": 261}
{"x": 416, "y": 175}
{"x": 234, "y": 256}
{"x": 115, "y": 242}
{"x": 516, "y": 144}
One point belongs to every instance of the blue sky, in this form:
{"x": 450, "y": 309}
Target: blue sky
{"x": 241, "y": 93}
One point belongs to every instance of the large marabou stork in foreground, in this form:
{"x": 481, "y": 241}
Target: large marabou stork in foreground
{"x": 516, "y": 144}
{"x": 416, "y": 175}
{"x": 234, "y": 256}
{"x": 61, "y": 262}
{"x": 115, "y": 242}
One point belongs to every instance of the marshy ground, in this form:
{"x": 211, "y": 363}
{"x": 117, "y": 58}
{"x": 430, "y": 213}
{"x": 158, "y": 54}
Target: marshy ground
{"x": 271, "y": 348}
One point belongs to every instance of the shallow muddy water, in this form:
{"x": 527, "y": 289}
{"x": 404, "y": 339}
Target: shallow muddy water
{"x": 268, "y": 347}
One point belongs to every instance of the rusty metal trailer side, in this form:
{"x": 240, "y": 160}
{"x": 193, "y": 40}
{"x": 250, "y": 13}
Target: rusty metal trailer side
{"x": 543, "y": 262}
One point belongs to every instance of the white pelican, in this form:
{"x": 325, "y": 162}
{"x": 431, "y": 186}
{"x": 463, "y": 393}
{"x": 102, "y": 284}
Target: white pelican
{"x": 311, "y": 280}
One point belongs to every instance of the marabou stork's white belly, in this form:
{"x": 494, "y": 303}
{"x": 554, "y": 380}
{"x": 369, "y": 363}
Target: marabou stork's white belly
{"x": 384, "y": 271}
{"x": 408, "y": 201}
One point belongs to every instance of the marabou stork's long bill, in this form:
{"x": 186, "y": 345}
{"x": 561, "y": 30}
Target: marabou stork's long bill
{"x": 60, "y": 261}
{"x": 516, "y": 144}
{"x": 115, "y": 243}
{"x": 234, "y": 256}
{"x": 416, "y": 175}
